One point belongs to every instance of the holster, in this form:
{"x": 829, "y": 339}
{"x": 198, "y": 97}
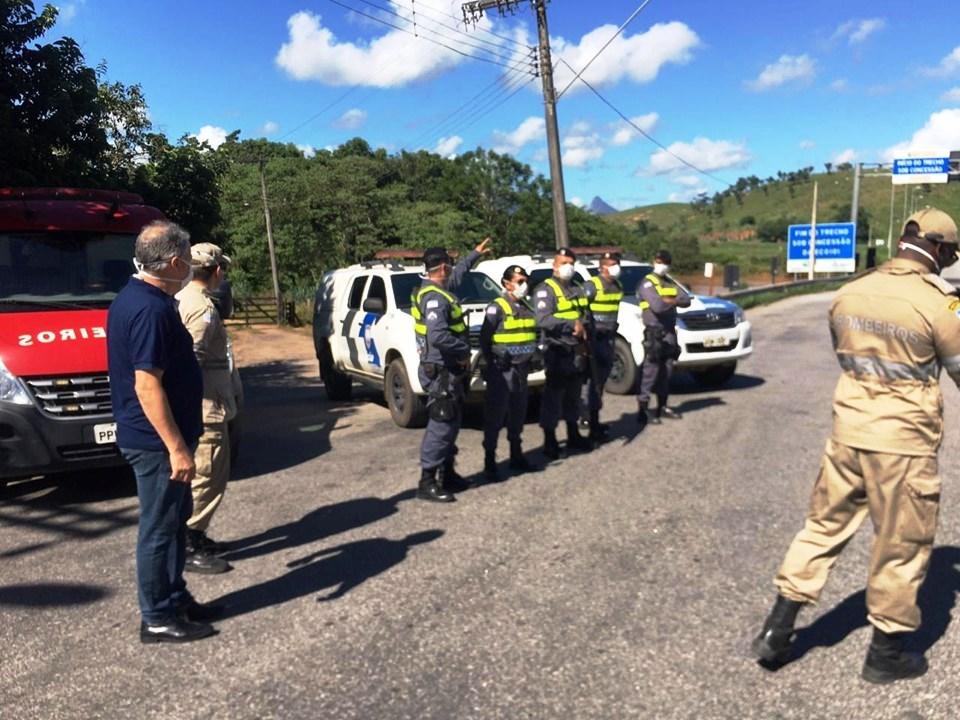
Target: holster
{"x": 443, "y": 404}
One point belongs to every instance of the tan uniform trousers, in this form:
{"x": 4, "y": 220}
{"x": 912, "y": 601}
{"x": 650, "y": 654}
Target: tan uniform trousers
{"x": 902, "y": 495}
{"x": 213, "y": 470}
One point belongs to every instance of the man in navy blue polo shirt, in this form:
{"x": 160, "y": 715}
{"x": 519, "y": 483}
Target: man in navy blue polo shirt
{"x": 157, "y": 390}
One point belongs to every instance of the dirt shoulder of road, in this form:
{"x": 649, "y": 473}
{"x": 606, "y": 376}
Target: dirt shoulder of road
{"x": 262, "y": 344}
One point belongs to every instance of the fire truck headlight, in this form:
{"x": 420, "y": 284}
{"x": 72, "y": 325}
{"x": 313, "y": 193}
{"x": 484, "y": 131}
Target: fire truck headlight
{"x": 11, "y": 389}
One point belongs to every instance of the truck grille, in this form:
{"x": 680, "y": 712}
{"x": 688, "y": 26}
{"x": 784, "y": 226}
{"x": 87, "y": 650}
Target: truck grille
{"x": 708, "y": 320}
{"x": 76, "y": 396}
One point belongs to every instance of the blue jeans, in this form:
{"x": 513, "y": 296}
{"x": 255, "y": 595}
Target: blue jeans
{"x": 165, "y": 507}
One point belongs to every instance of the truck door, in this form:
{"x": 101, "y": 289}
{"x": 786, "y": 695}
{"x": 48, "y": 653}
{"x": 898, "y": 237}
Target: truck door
{"x": 369, "y": 335}
{"x": 348, "y": 325}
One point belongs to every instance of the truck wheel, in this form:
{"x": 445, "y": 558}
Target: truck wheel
{"x": 715, "y": 376}
{"x": 338, "y": 384}
{"x": 408, "y": 409}
{"x": 623, "y": 376}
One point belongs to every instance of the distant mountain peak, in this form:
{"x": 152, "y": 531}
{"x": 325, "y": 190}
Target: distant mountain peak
{"x": 599, "y": 207}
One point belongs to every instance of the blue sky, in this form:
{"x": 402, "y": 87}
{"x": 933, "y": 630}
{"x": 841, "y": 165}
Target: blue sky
{"x": 734, "y": 88}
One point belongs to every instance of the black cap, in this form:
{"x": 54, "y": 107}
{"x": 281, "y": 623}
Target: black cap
{"x": 615, "y": 256}
{"x": 567, "y": 252}
{"x": 434, "y": 257}
{"x": 664, "y": 255}
{"x": 514, "y": 270}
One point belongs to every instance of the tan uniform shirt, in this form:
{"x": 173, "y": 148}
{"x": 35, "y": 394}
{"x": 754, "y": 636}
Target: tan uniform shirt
{"x": 893, "y": 331}
{"x": 200, "y": 317}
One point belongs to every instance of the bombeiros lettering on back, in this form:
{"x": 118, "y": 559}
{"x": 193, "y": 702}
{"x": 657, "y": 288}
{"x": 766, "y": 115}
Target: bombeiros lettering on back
{"x": 63, "y": 335}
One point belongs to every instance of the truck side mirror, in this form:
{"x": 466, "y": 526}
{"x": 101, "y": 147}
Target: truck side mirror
{"x": 374, "y": 305}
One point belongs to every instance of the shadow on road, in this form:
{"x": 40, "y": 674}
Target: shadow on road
{"x": 936, "y": 599}
{"x": 286, "y": 420}
{"x": 341, "y": 569}
{"x": 48, "y": 595}
{"x": 317, "y": 525}
{"x": 683, "y": 383}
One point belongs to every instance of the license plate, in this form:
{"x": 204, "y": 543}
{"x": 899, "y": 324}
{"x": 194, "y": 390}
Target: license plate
{"x": 716, "y": 342}
{"x": 105, "y": 433}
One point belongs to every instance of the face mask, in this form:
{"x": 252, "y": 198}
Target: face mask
{"x": 918, "y": 249}
{"x": 614, "y": 271}
{"x": 520, "y": 291}
{"x": 565, "y": 272}
{"x": 660, "y": 269}
{"x": 142, "y": 272}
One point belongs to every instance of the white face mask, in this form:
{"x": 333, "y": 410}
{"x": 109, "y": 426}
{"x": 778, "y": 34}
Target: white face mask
{"x": 614, "y": 271}
{"x": 142, "y": 272}
{"x": 520, "y": 291}
{"x": 565, "y": 272}
{"x": 660, "y": 269}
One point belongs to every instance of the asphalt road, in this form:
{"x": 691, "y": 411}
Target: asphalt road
{"x": 621, "y": 584}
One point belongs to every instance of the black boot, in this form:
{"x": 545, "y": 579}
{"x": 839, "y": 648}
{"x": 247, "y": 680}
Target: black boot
{"x": 551, "y": 448}
{"x": 430, "y": 489}
{"x": 490, "y": 473}
{"x": 451, "y": 480}
{"x": 518, "y": 461}
{"x": 642, "y": 417}
{"x": 575, "y": 441}
{"x": 200, "y": 560}
{"x": 775, "y": 640}
{"x": 888, "y": 662}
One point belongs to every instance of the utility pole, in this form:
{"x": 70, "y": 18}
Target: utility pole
{"x": 855, "y": 203}
{"x": 813, "y": 234}
{"x": 273, "y": 254}
{"x": 890, "y": 228}
{"x": 472, "y": 11}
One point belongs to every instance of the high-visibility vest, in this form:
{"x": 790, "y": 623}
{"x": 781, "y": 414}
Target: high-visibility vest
{"x": 567, "y": 309}
{"x": 517, "y": 335}
{"x": 457, "y": 326}
{"x": 605, "y": 305}
{"x": 662, "y": 290}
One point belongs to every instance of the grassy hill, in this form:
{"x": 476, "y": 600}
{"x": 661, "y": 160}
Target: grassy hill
{"x": 728, "y": 231}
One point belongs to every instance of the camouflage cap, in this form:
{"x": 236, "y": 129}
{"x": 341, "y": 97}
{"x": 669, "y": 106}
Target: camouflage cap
{"x": 208, "y": 255}
{"x": 932, "y": 224}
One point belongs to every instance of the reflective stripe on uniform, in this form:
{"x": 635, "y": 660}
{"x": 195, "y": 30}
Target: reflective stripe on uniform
{"x": 567, "y": 309}
{"x": 605, "y": 305}
{"x": 456, "y": 312}
{"x": 888, "y": 370}
{"x": 516, "y": 331}
{"x": 662, "y": 290}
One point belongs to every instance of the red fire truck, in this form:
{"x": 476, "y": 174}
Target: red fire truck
{"x": 64, "y": 255}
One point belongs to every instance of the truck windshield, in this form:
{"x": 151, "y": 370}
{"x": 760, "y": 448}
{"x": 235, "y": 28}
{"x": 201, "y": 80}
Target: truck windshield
{"x": 474, "y": 288}
{"x": 54, "y": 269}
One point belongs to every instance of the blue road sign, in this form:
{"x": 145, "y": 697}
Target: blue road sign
{"x": 835, "y": 249}
{"x": 921, "y": 170}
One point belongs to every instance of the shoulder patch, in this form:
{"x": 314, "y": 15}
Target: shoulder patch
{"x": 433, "y": 303}
{"x": 492, "y": 310}
{"x": 648, "y": 284}
{"x": 543, "y": 293}
{"x": 939, "y": 283}
{"x": 431, "y": 316}
{"x": 541, "y": 305}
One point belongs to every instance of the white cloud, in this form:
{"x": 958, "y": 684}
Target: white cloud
{"x": 685, "y": 195}
{"x": 578, "y": 201}
{"x": 949, "y": 65}
{"x": 846, "y": 156}
{"x": 941, "y": 133}
{"x": 67, "y": 11}
{"x": 638, "y": 58}
{"x": 530, "y": 130}
{"x": 447, "y": 146}
{"x": 212, "y": 135}
{"x": 581, "y": 145}
{"x": 856, "y": 31}
{"x": 789, "y": 68}
{"x": 839, "y": 85}
{"x": 807, "y": 144}
{"x": 308, "y": 151}
{"x": 313, "y": 52}
{"x": 951, "y": 96}
{"x": 351, "y": 120}
{"x": 708, "y": 155}
{"x": 269, "y": 128}
{"x": 689, "y": 181}
{"x": 624, "y": 134}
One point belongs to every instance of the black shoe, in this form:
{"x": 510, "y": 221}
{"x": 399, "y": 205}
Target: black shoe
{"x": 205, "y": 563}
{"x": 576, "y": 441}
{"x": 429, "y": 489}
{"x": 451, "y": 480}
{"x": 642, "y": 417}
{"x": 551, "y": 448}
{"x": 490, "y": 472}
{"x": 888, "y": 662}
{"x": 669, "y": 413}
{"x": 198, "y": 612}
{"x": 775, "y": 641}
{"x": 176, "y": 631}
{"x": 520, "y": 464}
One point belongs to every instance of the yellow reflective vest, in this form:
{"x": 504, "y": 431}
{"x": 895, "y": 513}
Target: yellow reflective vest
{"x": 457, "y": 324}
{"x": 517, "y": 334}
{"x": 662, "y": 290}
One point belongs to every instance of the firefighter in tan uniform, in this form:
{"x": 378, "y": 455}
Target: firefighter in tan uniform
{"x": 203, "y": 321}
{"x": 893, "y": 330}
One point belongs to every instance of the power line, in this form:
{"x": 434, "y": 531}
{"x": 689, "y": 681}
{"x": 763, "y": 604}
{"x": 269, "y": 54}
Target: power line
{"x": 648, "y": 136}
{"x": 459, "y": 20}
{"x": 325, "y": 108}
{"x": 613, "y": 37}
{"x": 477, "y": 118}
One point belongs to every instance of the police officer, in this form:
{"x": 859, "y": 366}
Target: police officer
{"x": 604, "y": 293}
{"x": 444, "y": 347}
{"x": 201, "y": 317}
{"x": 659, "y": 298}
{"x": 508, "y": 341}
{"x": 561, "y": 311}
{"x": 893, "y": 330}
